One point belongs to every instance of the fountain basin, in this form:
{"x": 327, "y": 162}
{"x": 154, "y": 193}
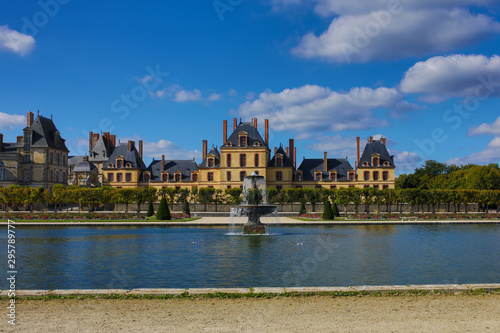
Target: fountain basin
{"x": 254, "y": 212}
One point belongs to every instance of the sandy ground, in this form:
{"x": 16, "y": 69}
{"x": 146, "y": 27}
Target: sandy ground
{"x": 301, "y": 314}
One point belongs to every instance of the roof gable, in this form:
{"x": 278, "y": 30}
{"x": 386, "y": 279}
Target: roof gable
{"x": 250, "y": 131}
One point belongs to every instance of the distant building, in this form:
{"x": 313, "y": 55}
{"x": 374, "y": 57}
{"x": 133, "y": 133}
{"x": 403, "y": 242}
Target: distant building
{"x": 245, "y": 151}
{"x": 38, "y": 158}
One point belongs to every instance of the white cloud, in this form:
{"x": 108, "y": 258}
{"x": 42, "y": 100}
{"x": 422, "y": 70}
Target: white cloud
{"x": 11, "y": 121}
{"x": 214, "y": 97}
{"x": 178, "y": 94}
{"x": 382, "y": 35}
{"x": 187, "y": 96}
{"x": 486, "y": 129}
{"x": 406, "y": 161}
{"x": 440, "y": 78}
{"x": 171, "y": 151}
{"x": 13, "y": 41}
{"x": 316, "y": 108}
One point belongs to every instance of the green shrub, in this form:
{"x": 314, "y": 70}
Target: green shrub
{"x": 185, "y": 209}
{"x": 335, "y": 210}
{"x": 151, "y": 210}
{"x": 302, "y": 209}
{"x": 327, "y": 211}
{"x": 163, "y": 212}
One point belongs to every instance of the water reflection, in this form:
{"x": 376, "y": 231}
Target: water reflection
{"x": 158, "y": 257}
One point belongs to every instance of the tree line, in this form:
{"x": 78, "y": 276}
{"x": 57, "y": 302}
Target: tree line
{"x": 106, "y": 198}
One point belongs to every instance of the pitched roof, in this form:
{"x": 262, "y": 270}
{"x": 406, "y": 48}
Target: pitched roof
{"x": 172, "y": 166}
{"x": 215, "y": 152}
{"x": 131, "y": 157}
{"x": 9, "y": 147}
{"x": 286, "y": 160}
{"x": 45, "y": 133}
{"x": 101, "y": 151}
{"x": 74, "y": 160}
{"x": 84, "y": 166}
{"x": 310, "y": 165}
{"x": 253, "y": 135}
{"x": 376, "y": 147}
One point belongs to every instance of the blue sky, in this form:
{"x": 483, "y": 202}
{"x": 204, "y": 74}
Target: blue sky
{"x": 425, "y": 74}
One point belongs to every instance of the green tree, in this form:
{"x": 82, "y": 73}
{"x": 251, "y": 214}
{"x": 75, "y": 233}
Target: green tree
{"x": 163, "y": 213}
{"x": 235, "y": 195}
{"x": 327, "y": 211}
{"x": 313, "y": 196}
{"x": 194, "y": 196}
{"x": 185, "y": 208}
{"x": 206, "y": 196}
{"x": 302, "y": 209}
{"x": 151, "y": 210}
{"x": 272, "y": 194}
{"x": 126, "y": 196}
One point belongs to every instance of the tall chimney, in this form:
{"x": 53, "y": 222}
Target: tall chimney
{"x": 371, "y": 138}
{"x": 113, "y": 140}
{"x": 224, "y": 130}
{"x": 1, "y": 141}
{"x": 266, "y": 125}
{"x": 140, "y": 149}
{"x": 29, "y": 118}
{"x": 235, "y": 123}
{"x": 162, "y": 163}
{"x": 255, "y": 122}
{"x": 91, "y": 140}
{"x": 287, "y": 152}
{"x": 358, "y": 150}
{"x": 105, "y": 136}
{"x": 95, "y": 137}
{"x": 275, "y": 149}
{"x": 325, "y": 161}
{"x": 291, "y": 144}
{"x": 131, "y": 145}
{"x": 295, "y": 158}
{"x": 19, "y": 138}
{"x": 384, "y": 141}
{"x": 204, "y": 149}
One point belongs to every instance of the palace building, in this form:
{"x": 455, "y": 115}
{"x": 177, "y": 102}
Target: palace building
{"x": 243, "y": 152}
{"x": 38, "y": 158}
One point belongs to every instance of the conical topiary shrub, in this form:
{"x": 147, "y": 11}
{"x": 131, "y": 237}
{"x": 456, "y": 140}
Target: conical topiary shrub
{"x": 302, "y": 209}
{"x": 185, "y": 209}
{"x": 163, "y": 213}
{"x": 151, "y": 210}
{"x": 327, "y": 211}
{"x": 335, "y": 210}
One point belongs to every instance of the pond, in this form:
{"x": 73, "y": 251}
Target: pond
{"x": 203, "y": 257}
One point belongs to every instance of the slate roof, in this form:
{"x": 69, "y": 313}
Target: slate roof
{"x": 377, "y": 146}
{"x": 74, "y": 160}
{"x": 101, "y": 151}
{"x": 9, "y": 147}
{"x": 84, "y": 166}
{"x": 253, "y": 135}
{"x": 310, "y": 165}
{"x": 286, "y": 160}
{"x": 171, "y": 166}
{"x": 131, "y": 157}
{"x": 44, "y": 136}
{"x": 214, "y": 151}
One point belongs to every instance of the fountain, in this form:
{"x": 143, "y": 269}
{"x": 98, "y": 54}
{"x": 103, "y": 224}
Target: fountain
{"x": 254, "y": 204}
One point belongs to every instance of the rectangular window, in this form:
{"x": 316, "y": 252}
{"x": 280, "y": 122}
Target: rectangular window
{"x": 242, "y": 175}
{"x": 228, "y": 160}
{"x": 367, "y": 175}
{"x": 279, "y": 176}
{"x": 51, "y": 158}
{"x": 210, "y": 176}
{"x": 256, "y": 160}
{"x": 228, "y": 175}
{"x": 385, "y": 175}
{"x": 243, "y": 160}
{"x": 279, "y": 162}
{"x": 128, "y": 177}
{"x": 164, "y": 177}
{"x": 243, "y": 141}
{"x": 351, "y": 176}
{"x": 146, "y": 177}
{"x": 376, "y": 161}
{"x": 317, "y": 176}
{"x": 333, "y": 176}
{"x": 119, "y": 163}
{"x": 375, "y": 175}
{"x": 210, "y": 162}
{"x": 228, "y": 187}
{"x": 194, "y": 177}
{"x": 177, "y": 177}
{"x": 119, "y": 177}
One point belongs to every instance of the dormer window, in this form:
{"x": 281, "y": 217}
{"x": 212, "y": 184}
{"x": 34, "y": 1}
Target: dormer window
{"x": 110, "y": 165}
{"x": 279, "y": 161}
{"x": 375, "y": 160}
{"x": 256, "y": 144}
{"x": 128, "y": 165}
{"x": 147, "y": 177}
{"x": 386, "y": 163}
{"x": 243, "y": 136}
{"x": 178, "y": 176}
{"x": 210, "y": 162}
{"x": 365, "y": 163}
{"x": 333, "y": 175}
{"x": 318, "y": 175}
{"x": 351, "y": 175}
{"x": 164, "y": 177}
{"x": 119, "y": 162}
{"x": 298, "y": 176}
{"x": 229, "y": 144}
{"x": 194, "y": 177}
